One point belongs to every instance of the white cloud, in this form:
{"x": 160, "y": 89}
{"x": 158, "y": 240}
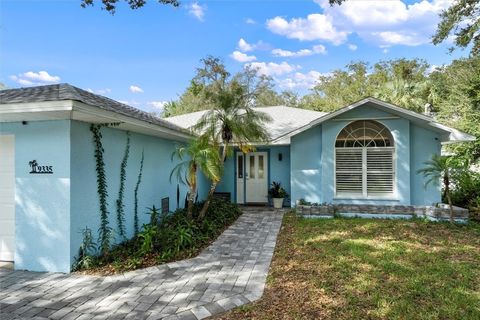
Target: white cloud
{"x": 315, "y": 27}
{"x": 157, "y": 105}
{"x": 389, "y": 38}
{"x": 272, "y": 68}
{"x": 132, "y": 103}
{"x": 31, "y": 78}
{"x": 99, "y": 91}
{"x": 104, "y": 91}
{"x": 250, "y": 21}
{"x": 244, "y": 46}
{"x": 433, "y": 68}
{"x": 384, "y": 23}
{"x": 300, "y": 80}
{"x": 318, "y": 49}
{"x": 242, "y": 57}
{"x": 352, "y": 47}
{"x": 135, "y": 89}
{"x": 196, "y": 10}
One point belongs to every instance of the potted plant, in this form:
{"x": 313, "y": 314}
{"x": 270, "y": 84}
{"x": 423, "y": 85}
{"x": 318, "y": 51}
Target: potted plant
{"x": 278, "y": 194}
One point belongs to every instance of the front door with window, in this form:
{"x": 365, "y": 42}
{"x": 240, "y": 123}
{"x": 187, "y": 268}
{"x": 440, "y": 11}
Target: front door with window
{"x": 252, "y": 177}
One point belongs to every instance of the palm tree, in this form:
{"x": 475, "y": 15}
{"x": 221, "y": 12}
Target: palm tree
{"x": 440, "y": 168}
{"x": 198, "y": 154}
{"x": 231, "y": 119}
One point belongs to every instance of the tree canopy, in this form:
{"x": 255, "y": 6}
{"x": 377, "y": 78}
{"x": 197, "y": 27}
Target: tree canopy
{"x": 259, "y": 88}
{"x": 111, "y": 5}
{"x": 462, "y": 20}
{"x": 402, "y": 82}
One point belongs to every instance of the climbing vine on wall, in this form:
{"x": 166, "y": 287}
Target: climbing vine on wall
{"x": 120, "y": 206}
{"x": 139, "y": 180}
{"x": 105, "y": 232}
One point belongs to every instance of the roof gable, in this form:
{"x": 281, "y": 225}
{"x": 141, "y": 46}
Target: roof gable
{"x": 454, "y": 135}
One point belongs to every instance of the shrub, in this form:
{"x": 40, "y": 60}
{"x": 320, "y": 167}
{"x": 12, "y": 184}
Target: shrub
{"x": 86, "y": 252}
{"x": 169, "y": 237}
{"x": 466, "y": 193}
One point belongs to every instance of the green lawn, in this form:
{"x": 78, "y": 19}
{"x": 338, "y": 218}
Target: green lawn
{"x": 371, "y": 269}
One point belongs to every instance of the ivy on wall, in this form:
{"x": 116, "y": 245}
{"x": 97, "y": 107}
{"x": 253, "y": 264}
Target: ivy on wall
{"x": 139, "y": 180}
{"x": 105, "y": 232}
{"x": 120, "y": 206}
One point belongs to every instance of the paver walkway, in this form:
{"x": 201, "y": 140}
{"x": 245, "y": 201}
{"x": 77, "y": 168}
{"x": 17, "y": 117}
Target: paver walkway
{"x": 230, "y": 272}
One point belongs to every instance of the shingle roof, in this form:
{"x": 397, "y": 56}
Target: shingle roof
{"x": 64, "y": 91}
{"x": 284, "y": 119}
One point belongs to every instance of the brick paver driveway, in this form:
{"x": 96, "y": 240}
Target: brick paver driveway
{"x": 229, "y": 273}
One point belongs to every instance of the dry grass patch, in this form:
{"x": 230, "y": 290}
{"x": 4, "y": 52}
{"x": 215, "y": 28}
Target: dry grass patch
{"x": 371, "y": 269}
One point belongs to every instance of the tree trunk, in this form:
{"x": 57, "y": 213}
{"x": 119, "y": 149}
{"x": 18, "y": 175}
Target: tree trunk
{"x": 191, "y": 198}
{"x": 203, "y": 212}
{"x": 446, "y": 181}
{"x": 213, "y": 186}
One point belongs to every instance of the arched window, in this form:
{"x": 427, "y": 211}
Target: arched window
{"x": 364, "y": 160}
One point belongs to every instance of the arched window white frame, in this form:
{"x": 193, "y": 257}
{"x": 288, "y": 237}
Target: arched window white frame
{"x": 365, "y": 161}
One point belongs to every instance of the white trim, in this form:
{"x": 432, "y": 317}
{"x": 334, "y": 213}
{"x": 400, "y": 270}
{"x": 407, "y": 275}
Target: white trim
{"x": 66, "y": 109}
{"x": 44, "y": 106}
{"x": 365, "y": 119}
{"x": 117, "y": 117}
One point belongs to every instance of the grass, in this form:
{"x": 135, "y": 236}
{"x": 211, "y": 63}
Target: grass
{"x": 371, "y": 269}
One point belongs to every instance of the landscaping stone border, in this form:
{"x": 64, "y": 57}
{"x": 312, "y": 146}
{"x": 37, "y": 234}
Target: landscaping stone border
{"x": 440, "y": 212}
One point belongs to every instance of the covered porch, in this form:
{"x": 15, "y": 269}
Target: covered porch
{"x": 248, "y": 176}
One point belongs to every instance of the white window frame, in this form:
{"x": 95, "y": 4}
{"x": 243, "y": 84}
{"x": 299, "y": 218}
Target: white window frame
{"x": 365, "y": 195}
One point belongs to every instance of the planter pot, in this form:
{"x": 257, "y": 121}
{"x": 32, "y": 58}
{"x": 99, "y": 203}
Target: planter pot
{"x": 277, "y": 203}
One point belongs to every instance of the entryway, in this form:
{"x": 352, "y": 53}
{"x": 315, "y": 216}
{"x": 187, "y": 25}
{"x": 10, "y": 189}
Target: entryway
{"x": 7, "y": 197}
{"x": 252, "y": 177}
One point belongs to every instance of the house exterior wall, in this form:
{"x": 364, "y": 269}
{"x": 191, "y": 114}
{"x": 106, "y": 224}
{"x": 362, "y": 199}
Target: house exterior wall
{"x": 423, "y": 143}
{"x": 42, "y": 201}
{"x": 306, "y": 165}
{"x": 52, "y": 209}
{"x": 313, "y": 177}
{"x": 155, "y": 183}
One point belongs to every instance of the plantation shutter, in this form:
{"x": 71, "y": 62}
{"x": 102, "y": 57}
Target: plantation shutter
{"x": 349, "y": 171}
{"x": 380, "y": 171}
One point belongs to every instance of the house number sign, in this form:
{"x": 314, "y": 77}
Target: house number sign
{"x": 37, "y": 169}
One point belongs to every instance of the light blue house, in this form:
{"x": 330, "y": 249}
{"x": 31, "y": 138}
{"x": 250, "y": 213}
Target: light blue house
{"x": 366, "y": 153}
{"x": 48, "y": 181}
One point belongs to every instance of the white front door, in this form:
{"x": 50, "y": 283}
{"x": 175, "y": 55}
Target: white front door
{"x": 7, "y": 197}
{"x": 256, "y": 177}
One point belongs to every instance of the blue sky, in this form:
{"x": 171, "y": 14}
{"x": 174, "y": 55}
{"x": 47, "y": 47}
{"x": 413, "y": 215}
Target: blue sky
{"x": 147, "y": 56}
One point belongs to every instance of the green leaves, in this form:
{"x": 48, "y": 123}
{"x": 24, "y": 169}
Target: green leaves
{"x": 119, "y": 202}
{"x": 135, "y": 194}
{"x": 462, "y": 20}
{"x": 111, "y": 5}
{"x": 105, "y": 232}
{"x": 402, "y": 82}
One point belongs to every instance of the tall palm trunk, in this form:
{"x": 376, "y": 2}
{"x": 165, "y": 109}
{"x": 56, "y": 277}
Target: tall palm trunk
{"x": 446, "y": 182}
{"x": 213, "y": 186}
{"x": 193, "y": 190}
{"x": 191, "y": 199}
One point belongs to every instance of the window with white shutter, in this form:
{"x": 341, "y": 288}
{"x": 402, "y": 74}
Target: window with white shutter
{"x": 364, "y": 161}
